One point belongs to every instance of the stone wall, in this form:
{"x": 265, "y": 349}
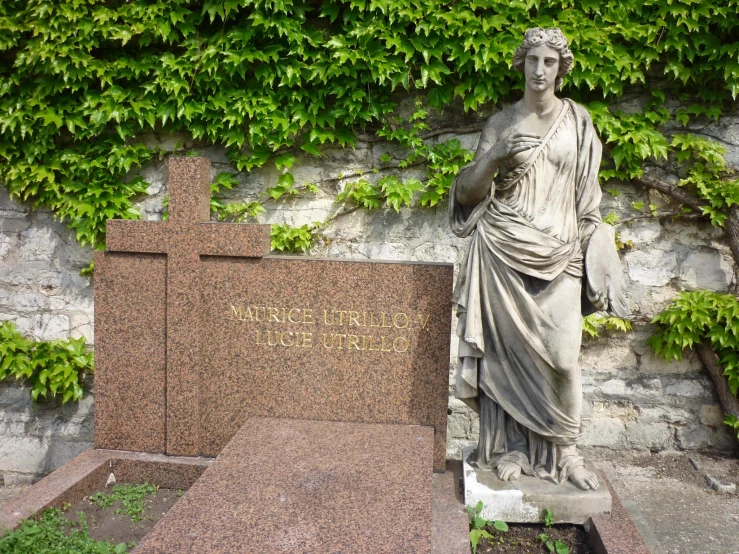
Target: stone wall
{"x": 633, "y": 400}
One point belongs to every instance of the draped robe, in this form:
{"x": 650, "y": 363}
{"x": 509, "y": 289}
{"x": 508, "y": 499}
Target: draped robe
{"x": 519, "y": 300}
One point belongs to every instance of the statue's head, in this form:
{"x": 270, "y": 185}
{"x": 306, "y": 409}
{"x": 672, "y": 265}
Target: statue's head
{"x": 544, "y": 42}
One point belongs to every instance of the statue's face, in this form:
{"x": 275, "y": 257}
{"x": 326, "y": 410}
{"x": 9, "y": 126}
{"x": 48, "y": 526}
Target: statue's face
{"x": 541, "y": 67}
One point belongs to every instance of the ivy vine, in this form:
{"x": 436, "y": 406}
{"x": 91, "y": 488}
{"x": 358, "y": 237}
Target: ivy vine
{"x": 83, "y": 83}
{"x": 52, "y": 368}
{"x": 82, "y": 80}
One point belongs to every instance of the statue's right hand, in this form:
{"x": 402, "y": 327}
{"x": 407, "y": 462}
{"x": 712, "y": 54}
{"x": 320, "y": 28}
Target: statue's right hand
{"x": 515, "y": 144}
{"x": 520, "y": 142}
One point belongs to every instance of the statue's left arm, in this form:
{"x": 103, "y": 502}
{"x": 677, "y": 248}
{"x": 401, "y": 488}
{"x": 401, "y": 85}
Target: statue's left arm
{"x": 588, "y": 165}
{"x": 604, "y": 286}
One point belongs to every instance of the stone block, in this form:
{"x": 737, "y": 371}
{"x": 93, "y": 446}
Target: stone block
{"x": 51, "y": 326}
{"x": 62, "y": 451}
{"x": 653, "y": 436}
{"x": 603, "y": 356}
{"x": 705, "y": 269}
{"x": 604, "y": 431}
{"x": 651, "y": 267}
{"x": 381, "y": 484}
{"x": 525, "y": 499}
{"x": 435, "y": 253}
{"x": 38, "y": 244}
{"x": 24, "y": 454}
{"x": 641, "y": 232}
{"x": 652, "y": 364}
{"x": 712, "y": 415}
{"x": 686, "y": 389}
{"x": 24, "y": 324}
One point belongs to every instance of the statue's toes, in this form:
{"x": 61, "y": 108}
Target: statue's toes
{"x": 593, "y": 483}
{"x": 580, "y": 483}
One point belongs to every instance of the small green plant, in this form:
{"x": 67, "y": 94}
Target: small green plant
{"x": 131, "y": 497}
{"x": 702, "y": 316}
{"x": 286, "y": 238}
{"x": 51, "y": 533}
{"x": 733, "y": 422}
{"x": 548, "y": 517}
{"x": 553, "y": 545}
{"x": 52, "y": 368}
{"x": 479, "y": 526}
{"x": 593, "y": 324}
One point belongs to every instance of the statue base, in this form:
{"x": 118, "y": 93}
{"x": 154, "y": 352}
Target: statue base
{"x": 525, "y": 499}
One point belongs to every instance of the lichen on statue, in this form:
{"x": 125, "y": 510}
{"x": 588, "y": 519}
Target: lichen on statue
{"x": 530, "y": 199}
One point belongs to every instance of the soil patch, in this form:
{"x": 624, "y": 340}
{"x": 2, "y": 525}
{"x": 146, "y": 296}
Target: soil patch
{"x": 524, "y": 539}
{"x": 105, "y": 524}
{"x": 672, "y": 466}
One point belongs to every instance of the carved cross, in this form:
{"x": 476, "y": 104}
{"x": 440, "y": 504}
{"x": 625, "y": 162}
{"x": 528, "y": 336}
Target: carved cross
{"x": 184, "y": 238}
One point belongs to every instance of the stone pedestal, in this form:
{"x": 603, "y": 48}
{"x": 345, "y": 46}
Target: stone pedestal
{"x": 525, "y": 499}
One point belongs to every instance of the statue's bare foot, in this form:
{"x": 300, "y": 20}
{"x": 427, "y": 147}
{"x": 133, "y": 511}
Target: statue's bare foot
{"x": 583, "y": 479}
{"x": 508, "y": 471}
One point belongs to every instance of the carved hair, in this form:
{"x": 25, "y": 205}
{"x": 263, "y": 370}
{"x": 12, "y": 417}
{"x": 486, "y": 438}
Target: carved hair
{"x": 553, "y": 38}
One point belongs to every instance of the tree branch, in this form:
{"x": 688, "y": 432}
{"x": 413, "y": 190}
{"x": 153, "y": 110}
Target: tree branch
{"x": 466, "y": 130}
{"x": 729, "y": 402}
{"x": 678, "y": 193}
{"x": 689, "y": 199}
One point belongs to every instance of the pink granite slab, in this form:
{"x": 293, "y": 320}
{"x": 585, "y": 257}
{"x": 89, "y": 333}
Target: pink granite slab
{"x": 450, "y": 522}
{"x": 349, "y": 369}
{"x": 308, "y": 487}
{"x": 615, "y": 534}
{"x": 130, "y": 351}
{"x": 179, "y": 374}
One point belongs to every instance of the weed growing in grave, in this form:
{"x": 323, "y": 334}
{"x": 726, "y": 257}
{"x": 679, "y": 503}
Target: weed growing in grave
{"x": 478, "y": 525}
{"x": 53, "y": 534}
{"x": 556, "y": 546}
{"x": 131, "y": 497}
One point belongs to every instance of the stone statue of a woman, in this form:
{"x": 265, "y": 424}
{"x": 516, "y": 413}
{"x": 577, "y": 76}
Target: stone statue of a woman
{"x": 530, "y": 201}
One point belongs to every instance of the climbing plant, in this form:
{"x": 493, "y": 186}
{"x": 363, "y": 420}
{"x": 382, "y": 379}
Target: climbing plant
{"x": 52, "y": 368}
{"x": 84, "y": 82}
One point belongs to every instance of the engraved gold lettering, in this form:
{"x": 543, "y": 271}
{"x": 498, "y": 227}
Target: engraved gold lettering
{"x": 258, "y": 337}
{"x": 352, "y": 340}
{"x": 290, "y": 315}
{"x": 256, "y": 313}
{"x": 423, "y": 322}
{"x": 289, "y": 334}
{"x": 269, "y": 338}
{"x": 247, "y": 315}
{"x": 273, "y": 315}
{"x": 307, "y": 341}
{"x": 398, "y": 325}
{"x": 372, "y": 341}
{"x": 399, "y": 346}
{"x": 236, "y": 312}
{"x": 372, "y": 321}
{"x": 385, "y": 323}
{"x": 341, "y": 340}
{"x": 308, "y": 317}
{"x": 382, "y": 345}
{"x": 324, "y": 341}
{"x": 341, "y": 313}
{"x": 325, "y": 317}
{"x": 354, "y": 318}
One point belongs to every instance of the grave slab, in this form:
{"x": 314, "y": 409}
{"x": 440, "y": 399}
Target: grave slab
{"x": 525, "y": 499}
{"x": 310, "y": 487}
{"x": 226, "y": 332}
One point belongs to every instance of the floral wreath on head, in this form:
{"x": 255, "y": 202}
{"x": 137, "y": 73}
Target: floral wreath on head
{"x": 552, "y": 37}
